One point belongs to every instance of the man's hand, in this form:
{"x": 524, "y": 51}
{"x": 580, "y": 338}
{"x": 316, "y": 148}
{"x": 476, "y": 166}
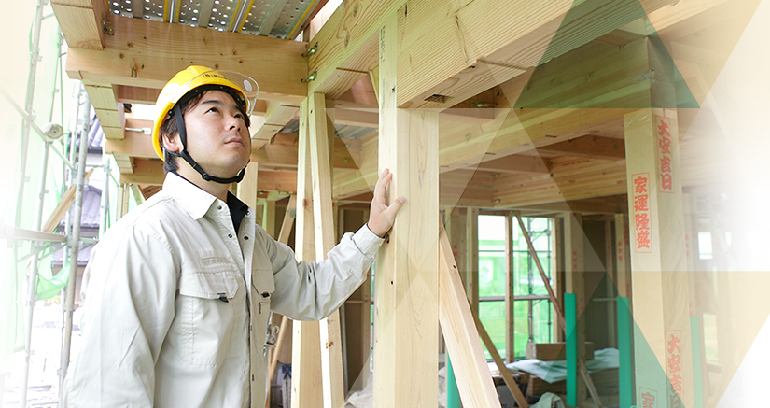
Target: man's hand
{"x": 382, "y": 215}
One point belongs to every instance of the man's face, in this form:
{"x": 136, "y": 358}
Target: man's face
{"x": 217, "y": 136}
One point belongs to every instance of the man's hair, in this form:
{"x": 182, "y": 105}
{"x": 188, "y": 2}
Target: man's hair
{"x": 168, "y": 127}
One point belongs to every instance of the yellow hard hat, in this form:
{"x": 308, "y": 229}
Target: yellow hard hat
{"x": 196, "y": 76}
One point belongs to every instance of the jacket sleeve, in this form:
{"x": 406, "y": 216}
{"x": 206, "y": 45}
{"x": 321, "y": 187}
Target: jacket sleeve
{"x": 129, "y": 305}
{"x": 313, "y": 290}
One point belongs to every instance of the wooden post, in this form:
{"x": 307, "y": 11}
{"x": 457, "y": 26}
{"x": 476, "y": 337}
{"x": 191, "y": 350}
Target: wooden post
{"x": 406, "y": 270}
{"x": 558, "y": 275}
{"x": 306, "y": 384}
{"x": 662, "y": 341}
{"x": 573, "y": 240}
{"x": 249, "y": 186}
{"x": 622, "y": 258}
{"x": 610, "y": 282}
{"x": 331, "y": 335}
{"x": 508, "y": 289}
{"x": 472, "y": 259}
{"x": 456, "y": 227}
{"x": 268, "y": 218}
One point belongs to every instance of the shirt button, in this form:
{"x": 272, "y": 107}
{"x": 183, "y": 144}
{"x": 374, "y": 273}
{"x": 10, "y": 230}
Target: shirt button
{"x": 246, "y": 238}
{"x": 230, "y": 235}
{"x": 219, "y": 207}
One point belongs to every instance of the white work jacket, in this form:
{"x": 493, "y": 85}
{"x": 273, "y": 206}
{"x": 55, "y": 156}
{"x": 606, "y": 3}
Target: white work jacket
{"x": 177, "y": 304}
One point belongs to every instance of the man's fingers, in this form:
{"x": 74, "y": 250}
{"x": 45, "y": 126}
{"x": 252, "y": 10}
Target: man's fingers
{"x": 381, "y": 186}
{"x": 393, "y": 208}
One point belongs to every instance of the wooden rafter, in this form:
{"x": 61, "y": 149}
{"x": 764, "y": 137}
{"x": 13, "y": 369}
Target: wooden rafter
{"x": 146, "y": 54}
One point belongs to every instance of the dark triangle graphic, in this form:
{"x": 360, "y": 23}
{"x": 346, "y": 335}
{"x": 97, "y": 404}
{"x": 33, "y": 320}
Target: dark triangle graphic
{"x": 567, "y": 79}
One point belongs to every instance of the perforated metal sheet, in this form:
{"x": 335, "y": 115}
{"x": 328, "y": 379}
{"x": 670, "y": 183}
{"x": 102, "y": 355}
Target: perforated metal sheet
{"x": 275, "y": 18}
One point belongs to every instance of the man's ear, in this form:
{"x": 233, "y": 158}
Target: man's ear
{"x": 172, "y": 143}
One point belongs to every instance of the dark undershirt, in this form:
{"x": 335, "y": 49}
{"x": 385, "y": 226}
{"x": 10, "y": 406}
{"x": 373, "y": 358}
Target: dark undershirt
{"x": 238, "y": 209}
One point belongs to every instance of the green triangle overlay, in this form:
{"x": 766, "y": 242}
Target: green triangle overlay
{"x": 582, "y": 19}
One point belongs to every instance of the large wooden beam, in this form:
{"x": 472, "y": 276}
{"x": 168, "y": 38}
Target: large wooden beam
{"x": 625, "y": 83}
{"x": 146, "y": 54}
{"x": 407, "y": 282}
{"x": 150, "y": 172}
{"x": 663, "y": 352}
{"x": 477, "y": 50}
{"x": 595, "y": 147}
{"x": 81, "y": 22}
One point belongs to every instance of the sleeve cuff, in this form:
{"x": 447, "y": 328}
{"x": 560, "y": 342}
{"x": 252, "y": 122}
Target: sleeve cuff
{"x": 367, "y": 241}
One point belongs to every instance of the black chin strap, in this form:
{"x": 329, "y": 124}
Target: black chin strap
{"x": 186, "y": 156}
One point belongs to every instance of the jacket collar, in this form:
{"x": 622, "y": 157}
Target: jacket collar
{"x": 192, "y": 198}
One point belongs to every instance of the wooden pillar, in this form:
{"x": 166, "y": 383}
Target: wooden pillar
{"x": 472, "y": 259}
{"x": 508, "y": 289}
{"x": 306, "y": 383}
{"x": 268, "y": 218}
{"x": 456, "y": 227}
{"x": 663, "y": 356}
{"x": 406, "y": 297}
{"x": 622, "y": 257}
{"x": 574, "y": 276}
{"x": 249, "y": 186}
{"x": 558, "y": 274}
{"x": 331, "y": 335}
{"x": 611, "y": 282}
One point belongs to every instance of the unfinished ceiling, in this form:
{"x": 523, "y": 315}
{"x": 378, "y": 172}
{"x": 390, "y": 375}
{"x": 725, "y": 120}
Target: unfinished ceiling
{"x": 563, "y": 145}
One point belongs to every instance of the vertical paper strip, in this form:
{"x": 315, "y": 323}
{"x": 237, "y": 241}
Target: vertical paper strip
{"x": 642, "y": 221}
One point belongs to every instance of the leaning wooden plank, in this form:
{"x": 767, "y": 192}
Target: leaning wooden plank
{"x": 64, "y": 204}
{"x": 509, "y": 381}
{"x": 288, "y": 221}
{"x": 461, "y": 336}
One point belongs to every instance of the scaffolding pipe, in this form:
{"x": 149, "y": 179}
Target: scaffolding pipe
{"x": 32, "y": 278}
{"x": 74, "y": 240}
{"x": 104, "y": 214}
{"x": 27, "y": 123}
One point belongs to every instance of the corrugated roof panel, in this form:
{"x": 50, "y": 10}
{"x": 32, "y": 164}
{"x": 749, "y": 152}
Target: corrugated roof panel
{"x": 276, "y": 18}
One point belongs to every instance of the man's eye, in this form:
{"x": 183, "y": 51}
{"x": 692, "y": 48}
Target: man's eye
{"x": 239, "y": 116}
{"x": 213, "y": 109}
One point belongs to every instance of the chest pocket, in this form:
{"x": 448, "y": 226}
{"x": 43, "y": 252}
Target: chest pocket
{"x": 211, "y": 313}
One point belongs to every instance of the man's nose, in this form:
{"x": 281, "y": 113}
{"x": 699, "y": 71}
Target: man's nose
{"x": 234, "y": 122}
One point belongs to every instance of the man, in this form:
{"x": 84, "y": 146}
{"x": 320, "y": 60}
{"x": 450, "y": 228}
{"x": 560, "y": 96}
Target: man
{"x": 178, "y": 293}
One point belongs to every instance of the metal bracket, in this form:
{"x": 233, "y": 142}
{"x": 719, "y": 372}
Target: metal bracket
{"x": 107, "y": 30}
{"x": 312, "y": 50}
{"x": 311, "y": 77}
{"x": 478, "y": 104}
